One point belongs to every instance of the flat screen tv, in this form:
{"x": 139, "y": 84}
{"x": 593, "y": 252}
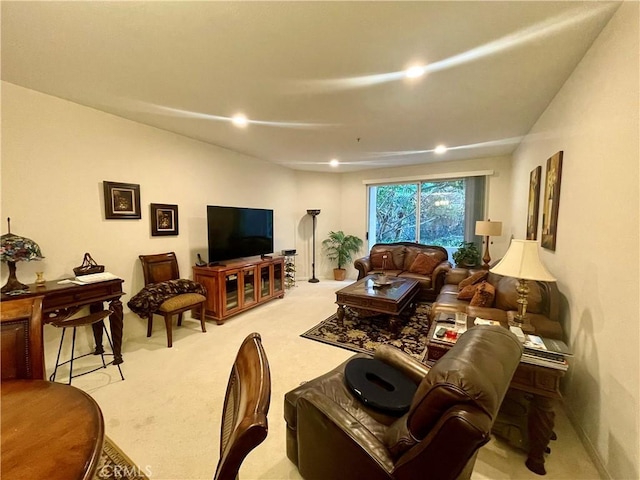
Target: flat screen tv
{"x": 236, "y": 232}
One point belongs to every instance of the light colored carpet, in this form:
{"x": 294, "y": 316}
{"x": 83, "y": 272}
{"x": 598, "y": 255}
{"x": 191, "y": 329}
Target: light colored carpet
{"x": 166, "y": 414}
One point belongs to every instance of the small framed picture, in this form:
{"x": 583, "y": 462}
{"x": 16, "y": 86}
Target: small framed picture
{"x": 164, "y": 219}
{"x": 121, "y": 201}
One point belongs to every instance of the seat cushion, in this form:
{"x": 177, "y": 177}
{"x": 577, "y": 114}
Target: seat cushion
{"x": 379, "y": 385}
{"x": 183, "y": 300}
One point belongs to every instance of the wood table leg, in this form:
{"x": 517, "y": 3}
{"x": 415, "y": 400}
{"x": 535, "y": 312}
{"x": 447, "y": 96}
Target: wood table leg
{"x": 97, "y": 328}
{"x": 340, "y": 315}
{"x": 395, "y": 325}
{"x": 541, "y": 423}
{"x": 116, "y": 323}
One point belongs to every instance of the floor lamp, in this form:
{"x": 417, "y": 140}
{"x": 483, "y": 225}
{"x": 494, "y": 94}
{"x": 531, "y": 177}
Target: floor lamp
{"x": 314, "y": 214}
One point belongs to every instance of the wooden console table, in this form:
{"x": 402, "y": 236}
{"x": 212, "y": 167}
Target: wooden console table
{"x": 49, "y": 430}
{"x": 63, "y": 300}
{"x": 541, "y": 383}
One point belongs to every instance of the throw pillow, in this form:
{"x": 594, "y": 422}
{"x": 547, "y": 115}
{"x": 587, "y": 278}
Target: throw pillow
{"x": 467, "y": 292}
{"x": 474, "y": 278}
{"x": 424, "y": 264}
{"x": 378, "y": 258}
{"x": 485, "y": 293}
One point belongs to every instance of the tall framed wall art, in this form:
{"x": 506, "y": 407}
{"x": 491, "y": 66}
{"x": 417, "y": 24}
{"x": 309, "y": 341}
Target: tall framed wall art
{"x": 533, "y": 206}
{"x": 551, "y": 201}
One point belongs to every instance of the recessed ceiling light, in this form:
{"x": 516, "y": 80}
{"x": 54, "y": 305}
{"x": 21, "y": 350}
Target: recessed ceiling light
{"x": 415, "y": 71}
{"x": 240, "y": 120}
{"x": 334, "y": 162}
{"x": 440, "y": 149}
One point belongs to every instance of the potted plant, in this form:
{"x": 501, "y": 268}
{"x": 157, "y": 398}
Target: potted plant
{"x": 467, "y": 255}
{"x": 341, "y": 248}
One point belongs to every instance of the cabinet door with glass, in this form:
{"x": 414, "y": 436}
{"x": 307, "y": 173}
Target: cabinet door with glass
{"x": 249, "y": 290}
{"x": 231, "y": 299}
{"x": 266, "y": 279}
{"x": 278, "y": 278}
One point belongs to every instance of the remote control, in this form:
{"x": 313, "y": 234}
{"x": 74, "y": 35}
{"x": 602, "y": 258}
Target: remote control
{"x": 440, "y": 332}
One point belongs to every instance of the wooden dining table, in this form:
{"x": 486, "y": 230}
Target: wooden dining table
{"x": 49, "y": 431}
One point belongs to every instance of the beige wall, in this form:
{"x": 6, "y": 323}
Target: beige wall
{"x": 594, "y": 121}
{"x": 55, "y": 155}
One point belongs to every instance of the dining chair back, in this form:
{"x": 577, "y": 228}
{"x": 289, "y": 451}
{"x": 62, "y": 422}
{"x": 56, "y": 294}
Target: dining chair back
{"x": 246, "y": 404}
{"x": 21, "y": 333}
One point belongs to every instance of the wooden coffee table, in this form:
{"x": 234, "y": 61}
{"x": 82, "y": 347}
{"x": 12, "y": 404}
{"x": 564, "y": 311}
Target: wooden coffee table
{"x": 392, "y": 299}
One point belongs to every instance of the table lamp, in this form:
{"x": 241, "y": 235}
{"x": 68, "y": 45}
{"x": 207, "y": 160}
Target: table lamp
{"x": 14, "y": 248}
{"x": 487, "y": 228}
{"x": 522, "y": 262}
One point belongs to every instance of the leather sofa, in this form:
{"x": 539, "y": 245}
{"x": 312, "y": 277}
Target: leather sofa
{"x": 426, "y": 263}
{"x": 331, "y": 433}
{"x": 543, "y": 309}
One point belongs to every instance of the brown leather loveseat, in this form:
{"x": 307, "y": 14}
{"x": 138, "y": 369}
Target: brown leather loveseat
{"x": 333, "y": 434}
{"x": 481, "y": 293}
{"x": 426, "y": 263}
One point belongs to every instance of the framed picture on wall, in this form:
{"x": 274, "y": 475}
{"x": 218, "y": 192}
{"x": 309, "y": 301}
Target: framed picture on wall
{"x": 121, "y": 201}
{"x": 164, "y": 219}
{"x": 551, "y": 201}
{"x": 533, "y": 206}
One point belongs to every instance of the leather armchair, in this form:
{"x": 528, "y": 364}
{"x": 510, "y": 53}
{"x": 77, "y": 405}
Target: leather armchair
{"x": 332, "y": 434}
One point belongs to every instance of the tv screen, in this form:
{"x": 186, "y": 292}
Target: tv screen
{"x": 236, "y": 232}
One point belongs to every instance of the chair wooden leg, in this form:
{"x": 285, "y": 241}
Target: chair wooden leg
{"x": 202, "y": 324}
{"x": 150, "y": 325}
{"x": 167, "y": 321}
{"x": 180, "y": 319}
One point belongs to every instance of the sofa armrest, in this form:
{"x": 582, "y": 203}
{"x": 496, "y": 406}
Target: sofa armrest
{"x": 439, "y": 275}
{"x": 402, "y": 362}
{"x": 332, "y": 443}
{"x": 456, "y": 275}
{"x": 363, "y": 265}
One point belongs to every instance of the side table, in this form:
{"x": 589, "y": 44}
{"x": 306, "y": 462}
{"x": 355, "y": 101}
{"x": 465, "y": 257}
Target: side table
{"x": 541, "y": 383}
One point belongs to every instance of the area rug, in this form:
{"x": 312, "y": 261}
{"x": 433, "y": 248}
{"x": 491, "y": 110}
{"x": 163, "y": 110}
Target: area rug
{"x": 116, "y": 465}
{"x": 364, "y": 334}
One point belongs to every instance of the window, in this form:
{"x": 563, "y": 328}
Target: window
{"x": 440, "y": 212}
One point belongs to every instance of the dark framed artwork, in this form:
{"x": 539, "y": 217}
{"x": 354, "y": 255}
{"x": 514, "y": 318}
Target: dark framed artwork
{"x": 164, "y": 219}
{"x": 533, "y": 206}
{"x": 551, "y": 201}
{"x": 121, "y": 201}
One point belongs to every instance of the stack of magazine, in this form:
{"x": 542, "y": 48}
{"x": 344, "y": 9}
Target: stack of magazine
{"x": 546, "y": 352}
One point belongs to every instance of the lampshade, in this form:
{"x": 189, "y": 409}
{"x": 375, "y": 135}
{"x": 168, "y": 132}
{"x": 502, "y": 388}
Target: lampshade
{"x": 523, "y": 262}
{"x": 14, "y": 248}
{"x": 487, "y": 228}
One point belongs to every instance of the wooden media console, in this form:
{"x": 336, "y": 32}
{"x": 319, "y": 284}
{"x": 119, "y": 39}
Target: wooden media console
{"x": 239, "y": 285}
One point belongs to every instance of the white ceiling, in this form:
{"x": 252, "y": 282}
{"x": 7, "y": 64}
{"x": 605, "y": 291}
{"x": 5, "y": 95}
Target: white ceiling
{"x": 318, "y": 80}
